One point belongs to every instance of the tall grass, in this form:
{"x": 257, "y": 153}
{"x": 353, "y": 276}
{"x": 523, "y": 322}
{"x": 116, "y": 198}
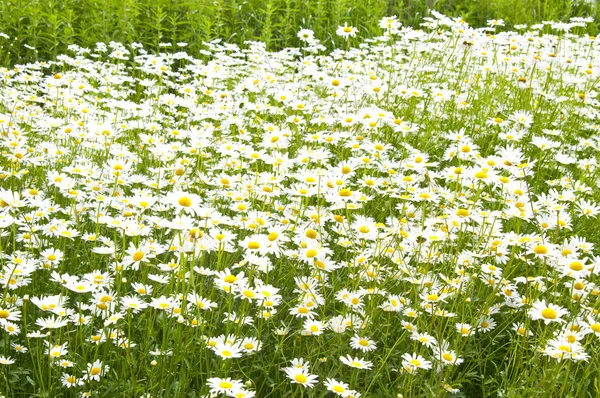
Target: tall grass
{"x": 41, "y": 29}
{"x": 434, "y": 193}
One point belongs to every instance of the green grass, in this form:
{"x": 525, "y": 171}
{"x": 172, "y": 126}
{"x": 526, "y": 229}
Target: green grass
{"x": 49, "y": 26}
{"x": 90, "y": 120}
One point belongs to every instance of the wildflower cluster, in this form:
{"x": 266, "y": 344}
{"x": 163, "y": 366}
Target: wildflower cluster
{"x": 396, "y": 217}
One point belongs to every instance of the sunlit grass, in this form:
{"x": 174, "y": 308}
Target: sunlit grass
{"x": 414, "y": 216}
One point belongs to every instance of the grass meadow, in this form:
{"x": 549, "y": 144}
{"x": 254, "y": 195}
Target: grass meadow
{"x": 405, "y": 206}
{"x": 39, "y": 30}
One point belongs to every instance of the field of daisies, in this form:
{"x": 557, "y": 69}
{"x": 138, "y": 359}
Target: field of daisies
{"x": 413, "y": 216}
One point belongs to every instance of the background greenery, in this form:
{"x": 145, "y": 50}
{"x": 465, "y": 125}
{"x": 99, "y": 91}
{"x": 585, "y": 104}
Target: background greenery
{"x": 41, "y": 29}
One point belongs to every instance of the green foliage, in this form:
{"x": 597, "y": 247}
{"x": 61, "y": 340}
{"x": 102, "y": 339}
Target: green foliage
{"x": 50, "y": 26}
{"x": 87, "y": 156}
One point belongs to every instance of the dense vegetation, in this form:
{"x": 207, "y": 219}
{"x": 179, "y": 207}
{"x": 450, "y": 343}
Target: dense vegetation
{"x": 41, "y": 29}
{"x": 416, "y": 216}
{"x": 372, "y": 207}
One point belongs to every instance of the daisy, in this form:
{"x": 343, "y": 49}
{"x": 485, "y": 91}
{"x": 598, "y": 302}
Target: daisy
{"x": 520, "y": 329}
{"x": 227, "y": 351}
{"x": 9, "y": 314}
{"x": 137, "y": 255}
{"x": 133, "y": 303}
{"x": 412, "y": 362}
{"x": 424, "y": 338}
{"x": 56, "y": 351}
{"x": 362, "y": 343}
{"x": 449, "y": 357}
{"x": 70, "y": 380}
{"x": 201, "y": 302}
{"x": 306, "y": 35}
{"x": 228, "y": 281}
{"x": 301, "y": 376}
{"x": 302, "y": 311}
{"x": 346, "y": 31}
{"x": 487, "y": 324}
{"x": 219, "y": 385}
{"x": 356, "y": 362}
{"x": 338, "y": 387}
{"x": 95, "y": 370}
{"x": 6, "y": 360}
{"x": 164, "y": 303}
{"x": 313, "y": 327}
{"x": 19, "y": 348}
{"x": 51, "y": 322}
{"x": 185, "y": 202}
{"x": 65, "y": 363}
{"x": 547, "y": 312}
{"x": 250, "y": 344}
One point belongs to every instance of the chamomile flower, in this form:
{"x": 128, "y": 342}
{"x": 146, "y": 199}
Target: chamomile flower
{"x": 337, "y": 387}
{"x": 363, "y": 344}
{"x": 355, "y": 362}
{"x": 6, "y": 360}
{"x": 547, "y": 312}
{"x": 95, "y": 370}
{"x": 301, "y": 376}
{"x": 346, "y": 31}
{"x": 412, "y": 362}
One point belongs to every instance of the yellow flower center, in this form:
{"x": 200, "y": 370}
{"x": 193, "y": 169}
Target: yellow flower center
{"x": 549, "y": 313}
{"x": 311, "y": 234}
{"x": 185, "y": 201}
{"x": 137, "y": 256}
{"x": 300, "y": 378}
{"x": 462, "y": 212}
{"x": 576, "y": 266}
